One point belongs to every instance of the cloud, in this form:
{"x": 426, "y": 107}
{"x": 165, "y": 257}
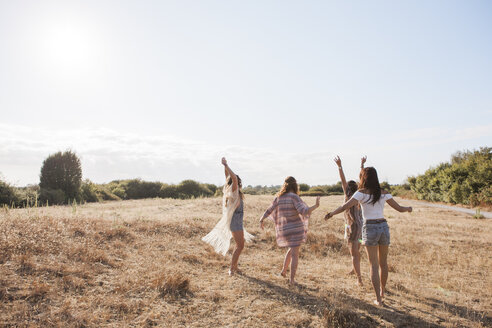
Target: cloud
{"x": 108, "y": 155}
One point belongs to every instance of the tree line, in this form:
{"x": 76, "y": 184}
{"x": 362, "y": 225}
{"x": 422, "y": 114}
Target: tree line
{"x": 466, "y": 179}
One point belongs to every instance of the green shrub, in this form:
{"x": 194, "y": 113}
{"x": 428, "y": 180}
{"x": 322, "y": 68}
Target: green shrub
{"x": 138, "y": 189}
{"x": 261, "y": 190}
{"x": 213, "y": 188}
{"x": 28, "y": 196}
{"x": 303, "y": 187}
{"x": 192, "y": 189}
{"x": 103, "y": 193}
{"x": 466, "y": 179}
{"x": 168, "y": 191}
{"x": 52, "y": 196}
{"x": 88, "y": 192}
{"x": 8, "y": 195}
{"x": 119, "y": 192}
{"x": 313, "y": 193}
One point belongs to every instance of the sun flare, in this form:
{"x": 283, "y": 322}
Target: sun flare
{"x": 68, "y": 47}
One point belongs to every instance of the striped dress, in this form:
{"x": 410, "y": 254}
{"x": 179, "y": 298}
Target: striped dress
{"x": 290, "y": 215}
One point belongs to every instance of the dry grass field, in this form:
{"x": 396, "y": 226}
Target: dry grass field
{"x": 142, "y": 263}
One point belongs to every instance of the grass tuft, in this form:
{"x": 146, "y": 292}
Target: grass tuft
{"x": 172, "y": 284}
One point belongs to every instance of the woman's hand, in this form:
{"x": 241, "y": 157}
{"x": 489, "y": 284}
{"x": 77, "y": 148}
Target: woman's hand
{"x": 328, "y": 216}
{"x": 317, "y": 201}
{"x": 261, "y": 224}
{"x": 338, "y": 161}
{"x": 224, "y": 161}
{"x": 363, "y": 161}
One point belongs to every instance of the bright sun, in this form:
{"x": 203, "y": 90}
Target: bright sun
{"x": 68, "y": 48}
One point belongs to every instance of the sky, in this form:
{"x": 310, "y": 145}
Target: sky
{"x": 161, "y": 90}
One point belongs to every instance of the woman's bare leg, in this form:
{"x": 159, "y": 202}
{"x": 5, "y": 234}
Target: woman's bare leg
{"x": 288, "y": 257}
{"x": 372, "y": 254}
{"x": 295, "y": 261}
{"x": 383, "y": 265}
{"x": 354, "y": 252}
{"x": 239, "y": 239}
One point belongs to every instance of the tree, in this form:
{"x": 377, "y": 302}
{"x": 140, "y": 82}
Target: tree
{"x": 62, "y": 171}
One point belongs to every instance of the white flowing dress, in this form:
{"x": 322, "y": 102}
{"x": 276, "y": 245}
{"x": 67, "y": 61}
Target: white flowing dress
{"x": 220, "y": 236}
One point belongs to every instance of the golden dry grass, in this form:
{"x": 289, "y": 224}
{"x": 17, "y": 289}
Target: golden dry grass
{"x": 142, "y": 263}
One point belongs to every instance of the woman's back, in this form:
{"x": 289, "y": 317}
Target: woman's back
{"x": 371, "y": 211}
{"x": 290, "y": 206}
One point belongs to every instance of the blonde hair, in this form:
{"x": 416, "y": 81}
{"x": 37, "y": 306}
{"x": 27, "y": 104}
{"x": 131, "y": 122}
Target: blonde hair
{"x": 290, "y": 185}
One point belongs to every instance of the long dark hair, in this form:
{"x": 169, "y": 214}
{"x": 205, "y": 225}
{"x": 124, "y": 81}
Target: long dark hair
{"x": 369, "y": 182}
{"x": 239, "y": 185}
{"x": 290, "y": 185}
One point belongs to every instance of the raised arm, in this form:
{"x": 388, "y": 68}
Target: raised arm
{"x": 302, "y": 208}
{"x": 391, "y": 202}
{"x": 351, "y": 202}
{"x": 229, "y": 173}
{"x": 362, "y": 162}
{"x": 338, "y": 161}
{"x": 315, "y": 206}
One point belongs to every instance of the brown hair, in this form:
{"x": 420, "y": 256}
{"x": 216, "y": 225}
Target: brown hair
{"x": 369, "y": 182}
{"x": 239, "y": 185}
{"x": 351, "y": 188}
{"x": 290, "y": 185}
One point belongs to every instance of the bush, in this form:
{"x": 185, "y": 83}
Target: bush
{"x": 51, "y": 196}
{"x": 28, "y": 196}
{"x": 103, "y": 193}
{"x": 8, "y": 195}
{"x": 138, "y": 189}
{"x": 88, "y": 192}
{"x": 260, "y": 190}
{"x": 62, "y": 171}
{"x": 168, "y": 191}
{"x": 466, "y": 179}
{"x": 213, "y": 188}
{"x": 192, "y": 189}
{"x": 303, "y": 187}
{"x": 119, "y": 192}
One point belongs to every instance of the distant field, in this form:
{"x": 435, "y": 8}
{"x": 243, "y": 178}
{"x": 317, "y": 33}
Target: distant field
{"x": 142, "y": 263}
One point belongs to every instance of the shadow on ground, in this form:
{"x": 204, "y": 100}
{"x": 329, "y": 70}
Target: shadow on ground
{"x": 301, "y": 298}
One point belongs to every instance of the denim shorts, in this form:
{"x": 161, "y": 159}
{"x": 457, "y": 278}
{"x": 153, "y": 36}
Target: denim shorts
{"x": 375, "y": 234}
{"x": 237, "y": 221}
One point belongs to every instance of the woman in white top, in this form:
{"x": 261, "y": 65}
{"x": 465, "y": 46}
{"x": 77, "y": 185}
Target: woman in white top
{"x": 375, "y": 230}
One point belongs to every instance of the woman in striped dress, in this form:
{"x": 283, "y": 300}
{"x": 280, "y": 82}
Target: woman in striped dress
{"x": 290, "y": 215}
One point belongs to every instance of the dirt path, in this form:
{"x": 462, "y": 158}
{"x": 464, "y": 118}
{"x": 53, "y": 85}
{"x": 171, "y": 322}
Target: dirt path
{"x": 487, "y": 215}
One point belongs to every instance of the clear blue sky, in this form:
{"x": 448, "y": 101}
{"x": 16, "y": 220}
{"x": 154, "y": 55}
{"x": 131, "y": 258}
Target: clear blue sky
{"x": 162, "y": 89}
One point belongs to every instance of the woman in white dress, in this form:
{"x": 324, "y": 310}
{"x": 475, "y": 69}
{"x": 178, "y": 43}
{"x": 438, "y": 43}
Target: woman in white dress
{"x": 231, "y": 223}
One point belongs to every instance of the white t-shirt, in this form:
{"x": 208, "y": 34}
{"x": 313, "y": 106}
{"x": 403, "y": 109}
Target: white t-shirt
{"x": 371, "y": 211}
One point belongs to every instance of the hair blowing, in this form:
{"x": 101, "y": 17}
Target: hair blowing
{"x": 290, "y": 185}
{"x": 369, "y": 182}
{"x": 239, "y": 185}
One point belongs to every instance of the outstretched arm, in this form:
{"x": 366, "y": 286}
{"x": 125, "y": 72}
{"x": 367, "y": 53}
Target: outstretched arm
{"x": 391, "y": 202}
{"x": 338, "y": 161}
{"x": 229, "y": 173}
{"x": 351, "y": 202}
